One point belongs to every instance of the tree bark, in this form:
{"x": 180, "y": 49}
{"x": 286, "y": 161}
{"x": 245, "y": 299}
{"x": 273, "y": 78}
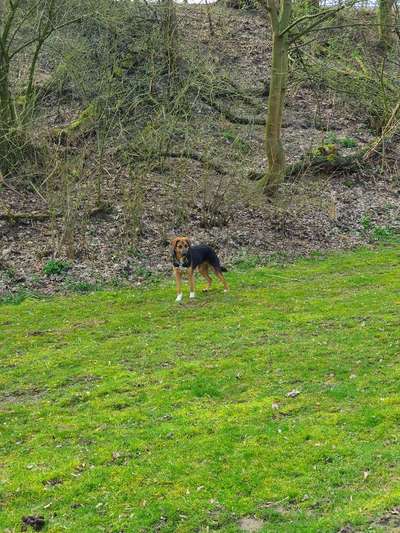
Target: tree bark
{"x": 279, "y": 75}
{"x": 385, "y": 23}
{"x": 7, "y": 114}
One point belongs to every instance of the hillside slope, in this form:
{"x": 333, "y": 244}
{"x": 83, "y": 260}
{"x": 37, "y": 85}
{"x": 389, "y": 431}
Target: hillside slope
{"x": 142, "y": 207}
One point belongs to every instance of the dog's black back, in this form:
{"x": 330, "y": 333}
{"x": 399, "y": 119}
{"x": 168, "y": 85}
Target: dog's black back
{"x": 203, "y": 253}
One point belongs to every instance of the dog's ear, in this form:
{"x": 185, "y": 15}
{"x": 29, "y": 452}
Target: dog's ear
{"x": 174, "y": 242}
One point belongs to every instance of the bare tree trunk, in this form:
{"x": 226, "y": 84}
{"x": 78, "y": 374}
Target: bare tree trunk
{"x": 279, "y": 75}
{"x": 7, "y": 110}
{"x": 275, "y": 153}
{"x": 386, "y": 23}
{"x": 280, "y": 12}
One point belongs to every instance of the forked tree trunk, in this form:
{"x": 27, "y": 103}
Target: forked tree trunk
{"x": 280, "y": 12}
{"x": 279, "y": 75}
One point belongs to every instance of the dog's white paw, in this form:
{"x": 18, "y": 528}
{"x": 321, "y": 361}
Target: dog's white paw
{"x": 179, "y": 297}
{"x": 225, "y": 290}
{"x": 192, "y": 295}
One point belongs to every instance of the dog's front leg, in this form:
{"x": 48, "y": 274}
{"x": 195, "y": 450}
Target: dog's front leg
{"x": 191, "y": 283}
{"x": 178, "y": 278}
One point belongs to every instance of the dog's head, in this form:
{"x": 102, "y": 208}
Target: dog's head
{"x": 180, "y": 247}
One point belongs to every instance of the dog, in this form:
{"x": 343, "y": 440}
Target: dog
{"x": 201, "y": 257}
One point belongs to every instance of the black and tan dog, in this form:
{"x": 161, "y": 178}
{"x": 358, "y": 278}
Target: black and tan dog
{"x": 188, "y": 257}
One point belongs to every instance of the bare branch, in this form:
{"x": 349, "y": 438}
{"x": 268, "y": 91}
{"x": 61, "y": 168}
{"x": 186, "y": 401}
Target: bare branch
{"x": 322, "y": 15}
{"x": 21, "y": 22}
{"x": 9, "y": 20}
{"x": 44, "y": 37}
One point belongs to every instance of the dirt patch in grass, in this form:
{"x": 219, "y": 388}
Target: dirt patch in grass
{"x": 52, "y": 482}
{"x": 37, "y": 523}
{"x": 390, "y": 521}
{"x": 250, "y": 524}
{"x": 22, "y": 396}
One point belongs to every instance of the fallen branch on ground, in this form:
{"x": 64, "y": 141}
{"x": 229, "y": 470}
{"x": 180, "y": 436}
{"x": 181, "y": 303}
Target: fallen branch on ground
{"x": 219, "y": 169}
{"x": 11, "y": 216}
{"x": 320, "y": 163}
{"x": 340, "y": 163}
{"x": 40, "y": 216}
{"x": 231, "y": 116}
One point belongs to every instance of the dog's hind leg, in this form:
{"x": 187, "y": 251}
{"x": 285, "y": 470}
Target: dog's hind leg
{"x": 220, "y": 276}
{"x": 203, "y": 269}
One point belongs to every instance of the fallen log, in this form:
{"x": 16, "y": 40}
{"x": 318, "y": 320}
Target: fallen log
{"x": 331, "y": 161}
{"x": 188, "y": 154}
{"x": 350, "y": 163}
{"x": 15, "y": 216}
{"x": 40, "y": 216}
{"x": 229, "y": 115}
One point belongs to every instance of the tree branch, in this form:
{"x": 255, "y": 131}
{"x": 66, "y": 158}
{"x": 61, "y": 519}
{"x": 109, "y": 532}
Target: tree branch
{"x": 39, "y": 37}
{"x": 21, "y": 22}
{"x": 323, "y": 14}
{"x": 9, "y": 20}
{"x": 187, "y": 154}
{"x": 231, "y": 116}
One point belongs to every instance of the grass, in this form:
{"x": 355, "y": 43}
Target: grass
{"x": 123, "y": 411}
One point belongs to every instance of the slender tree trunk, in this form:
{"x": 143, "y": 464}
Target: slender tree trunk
{"x": 29, "y": 93}
{"x": 7, "y": 114}
{"x": 275, "y": 153}
{"x": 5, "y": 101}
{"x": 279, "y": 75}
{"x": 386, "y": 23}
{"x": 7, "y": 108}
{"x": 280, "y": 12}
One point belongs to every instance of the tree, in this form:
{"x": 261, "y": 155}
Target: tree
{"x": 385, "y": 12}
{"x": 23, "y": 26}
{"x": 280, "y": 18}
{"x": 280, "y": 12}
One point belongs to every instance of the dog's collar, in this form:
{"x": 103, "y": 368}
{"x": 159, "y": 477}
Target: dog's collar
{"x": 183, "y": 263}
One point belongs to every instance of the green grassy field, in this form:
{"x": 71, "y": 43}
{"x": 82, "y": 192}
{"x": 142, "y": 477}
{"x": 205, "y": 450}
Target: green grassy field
{"x": 124, "y": 411}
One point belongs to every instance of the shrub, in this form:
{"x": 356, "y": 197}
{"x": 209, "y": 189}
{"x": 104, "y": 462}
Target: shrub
{"x": 55, "y": 267}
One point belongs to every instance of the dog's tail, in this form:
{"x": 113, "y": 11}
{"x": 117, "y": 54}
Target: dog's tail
{"x": 215, "y": 263}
